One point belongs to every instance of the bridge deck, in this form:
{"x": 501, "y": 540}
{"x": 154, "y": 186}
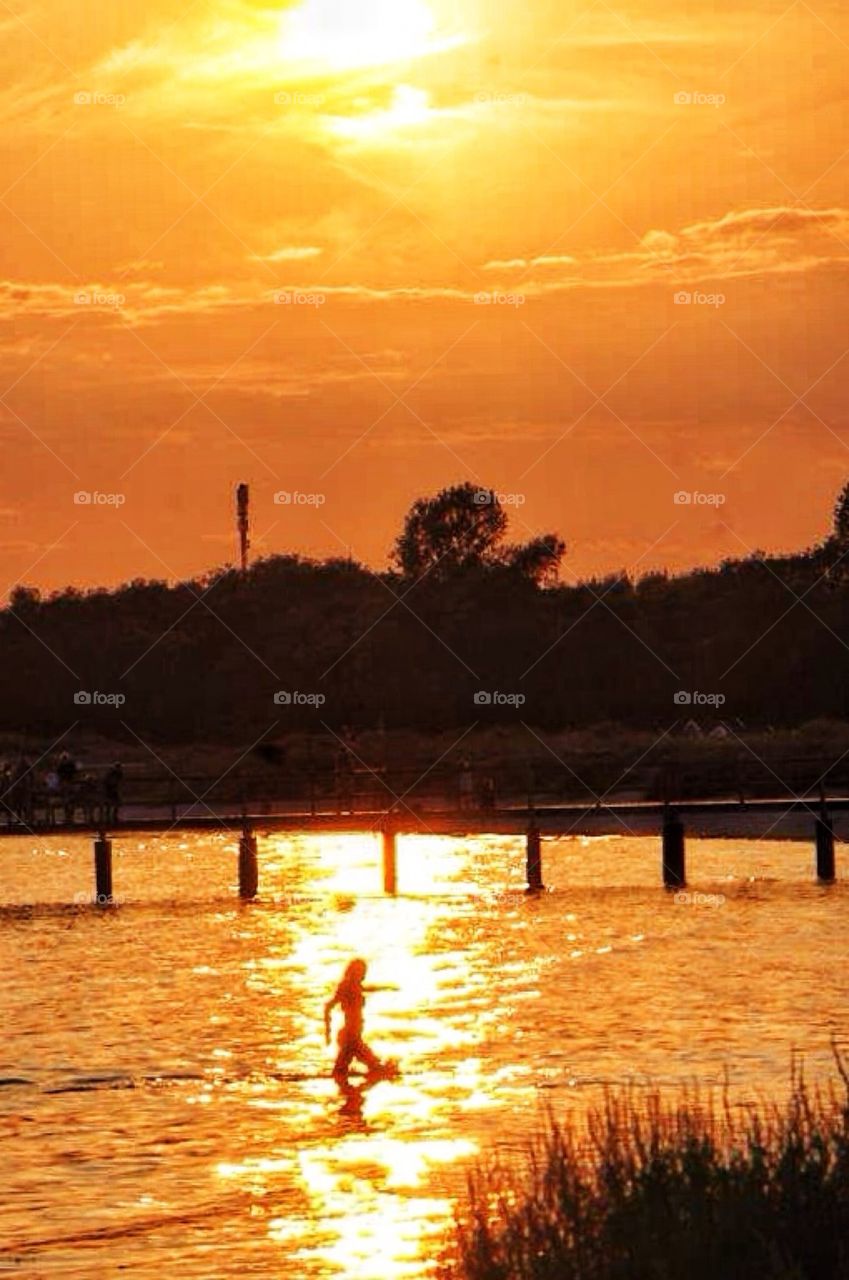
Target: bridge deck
{"x": 711, "y": 816}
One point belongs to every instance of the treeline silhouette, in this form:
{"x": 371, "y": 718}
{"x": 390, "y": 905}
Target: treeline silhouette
{"x": 459, "y": 614}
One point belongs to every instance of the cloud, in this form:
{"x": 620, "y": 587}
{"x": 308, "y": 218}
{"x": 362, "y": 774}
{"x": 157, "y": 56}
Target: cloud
{"x": 743, "y": 242}
{"x": 145, "y": 302}
{"x": 780, "y": 218}
{"x": 289, "y": 253}
{"x": 117, "y": 302}
{"x": 739, "y": 244}
{"x": 272, "y": 380}
{"x": 19, "y": 544}
{"x": 523, "y": 264}
{"x": 138, "y": 266}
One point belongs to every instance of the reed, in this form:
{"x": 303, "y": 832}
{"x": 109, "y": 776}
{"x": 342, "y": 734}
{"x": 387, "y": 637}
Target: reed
{"x": 649, "y": 1187}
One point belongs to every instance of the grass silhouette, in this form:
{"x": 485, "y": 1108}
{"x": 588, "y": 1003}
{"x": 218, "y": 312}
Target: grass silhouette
{"x": 655, "y": 1189}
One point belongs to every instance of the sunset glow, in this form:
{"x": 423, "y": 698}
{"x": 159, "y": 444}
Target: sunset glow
{"x": 390, "y": 164}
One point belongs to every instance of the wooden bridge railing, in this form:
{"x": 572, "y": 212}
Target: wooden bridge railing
{"x": 448, "y": 785}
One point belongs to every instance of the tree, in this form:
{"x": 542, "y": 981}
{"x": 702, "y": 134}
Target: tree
{"x": 463, "y": 528}
{"x": 458, "y": 529}
{"x": 24, "y": 600}
{"x": 841, "y": 519}
{"x": 537, "y": 560}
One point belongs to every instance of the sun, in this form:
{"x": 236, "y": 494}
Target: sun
{"x": 343, "y": 34}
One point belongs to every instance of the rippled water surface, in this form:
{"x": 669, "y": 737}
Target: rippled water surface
{"x": 164, "y": 1090}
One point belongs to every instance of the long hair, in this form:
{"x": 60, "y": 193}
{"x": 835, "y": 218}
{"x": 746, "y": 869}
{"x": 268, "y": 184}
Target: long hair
{"x": 355, "y": 971}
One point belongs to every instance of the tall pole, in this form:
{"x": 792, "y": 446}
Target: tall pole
{"x": 242, "y": 506}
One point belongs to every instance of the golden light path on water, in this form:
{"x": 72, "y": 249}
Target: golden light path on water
{"x": 165, "y": 1086}
{"x": 353, "y": 1189}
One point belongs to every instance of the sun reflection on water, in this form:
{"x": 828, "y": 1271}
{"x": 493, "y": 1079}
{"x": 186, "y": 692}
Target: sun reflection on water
{"x": 368, "y": 1190}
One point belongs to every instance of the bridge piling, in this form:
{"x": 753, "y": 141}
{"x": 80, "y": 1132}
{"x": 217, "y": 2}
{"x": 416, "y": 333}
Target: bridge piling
{"x": 389, "y": 846}
{"x": 103, "y": 871}
{"x": 674, "y": 851}
{"x": 248, "y": 869}
{"x": 533, "y": 859}
{"x": 824, "y": 841}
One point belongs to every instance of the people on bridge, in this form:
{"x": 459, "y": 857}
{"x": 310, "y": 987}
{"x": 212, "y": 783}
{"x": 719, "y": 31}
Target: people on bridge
{"x": 66, "y": 769}
{"x": 22, "y": 791}
{"x": 87, "y": 793}
{"x": 61, "y": 792}
{"x": 112, "y": 783}
{"x": 52, "y": 795}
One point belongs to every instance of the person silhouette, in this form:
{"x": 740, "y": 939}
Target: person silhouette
{"x": 112, "y": 792}
{"x": 350, "y": 996}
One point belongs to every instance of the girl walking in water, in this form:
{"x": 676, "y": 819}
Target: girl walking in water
{"x": 350, "y": 996}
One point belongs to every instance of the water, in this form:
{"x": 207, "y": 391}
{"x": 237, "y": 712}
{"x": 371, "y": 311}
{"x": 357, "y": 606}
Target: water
{"x": 165, "y": 1097}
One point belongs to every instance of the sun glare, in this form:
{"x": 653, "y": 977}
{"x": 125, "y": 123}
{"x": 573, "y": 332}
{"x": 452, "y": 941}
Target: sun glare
{"x": 408, "y": 107}
{"x": 340, "y": 34}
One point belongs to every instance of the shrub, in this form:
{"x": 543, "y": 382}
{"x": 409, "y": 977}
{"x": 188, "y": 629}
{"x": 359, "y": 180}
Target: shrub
{"x": 654, "y": 1189}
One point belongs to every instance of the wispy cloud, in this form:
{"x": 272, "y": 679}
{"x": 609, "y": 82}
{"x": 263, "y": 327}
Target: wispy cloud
{"x": 774, "y": 240}
{"x": 288, "y": 253}
{"x": 742, "y": 243}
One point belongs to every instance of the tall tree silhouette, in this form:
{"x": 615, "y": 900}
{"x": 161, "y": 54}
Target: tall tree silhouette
{"x": 458, "y": 529}
{"x": 463, "y": 527}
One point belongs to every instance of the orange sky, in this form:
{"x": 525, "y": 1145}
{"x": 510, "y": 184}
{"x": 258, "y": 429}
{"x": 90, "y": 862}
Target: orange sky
{"x": 383, "y": 165}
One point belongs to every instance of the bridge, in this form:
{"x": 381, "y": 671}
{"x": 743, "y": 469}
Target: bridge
{"x": 792, "y": 816}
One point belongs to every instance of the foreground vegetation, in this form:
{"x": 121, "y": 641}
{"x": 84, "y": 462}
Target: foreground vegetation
{"x": 655, "y": 1190}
